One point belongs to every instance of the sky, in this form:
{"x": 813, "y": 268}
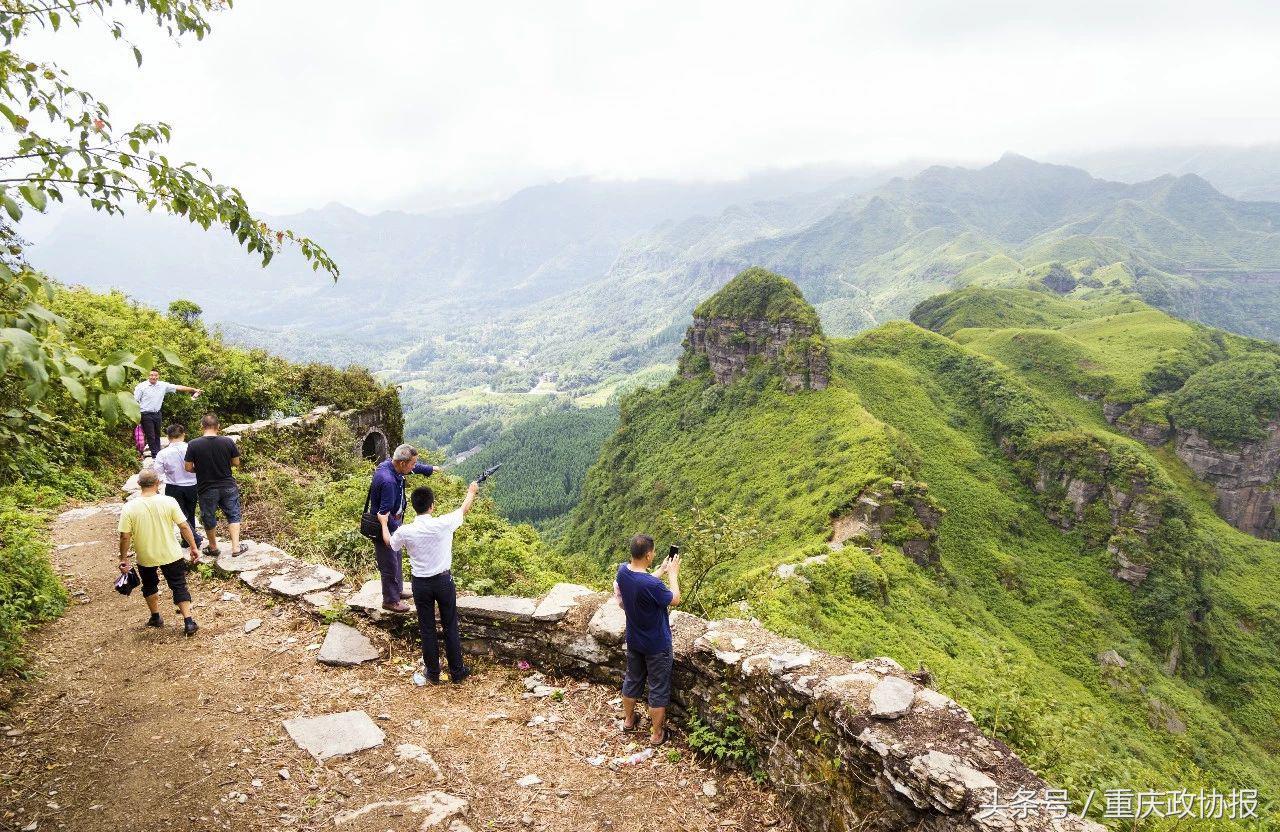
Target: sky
{"x": 417, "y": 104}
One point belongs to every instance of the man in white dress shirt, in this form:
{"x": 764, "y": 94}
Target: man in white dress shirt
{"x": 179, "y": 483}
{"x": 150, "y": 395}
{"x": 429, "y": 540}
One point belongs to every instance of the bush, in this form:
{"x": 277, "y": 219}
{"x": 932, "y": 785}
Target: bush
{"x": 30, "y": 592}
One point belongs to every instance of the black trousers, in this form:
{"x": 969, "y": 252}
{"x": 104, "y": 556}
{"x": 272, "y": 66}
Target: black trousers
{"x": 186, "y": 497}
{"x": 427, "y": 593}
{"x": 390, "y": 569}
{"x": 151, "y": 430}
{"x": 175, "y": 575}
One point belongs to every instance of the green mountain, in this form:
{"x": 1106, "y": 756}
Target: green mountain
{"x": 957, "y": 498}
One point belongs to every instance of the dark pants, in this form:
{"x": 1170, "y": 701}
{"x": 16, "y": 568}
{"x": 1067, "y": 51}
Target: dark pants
{"x": 151, "y": 430}
{"x": 391, "y": 568}
{"x": 654, "y": 669}
{"x": 186, "y": 497}
{"x": 427, "y": 592}
{"x": 175, "y": 575}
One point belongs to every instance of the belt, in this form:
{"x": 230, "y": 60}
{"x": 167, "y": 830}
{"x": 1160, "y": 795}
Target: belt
{"x": 445, "y": 574}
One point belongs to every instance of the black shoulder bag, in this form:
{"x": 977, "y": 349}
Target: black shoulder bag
{"x": 370, "y": 525}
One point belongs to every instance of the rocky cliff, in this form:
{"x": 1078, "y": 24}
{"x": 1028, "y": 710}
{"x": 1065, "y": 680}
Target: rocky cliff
{"x": 761, "y": 315}
{"x": 1246, "y": 477}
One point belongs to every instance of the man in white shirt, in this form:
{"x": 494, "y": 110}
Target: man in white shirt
{"x": 150, "y": 395}
{"x": 179, "y": 483}
{"x": 429, "y": 540}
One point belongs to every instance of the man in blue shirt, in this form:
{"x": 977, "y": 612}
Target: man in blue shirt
{"x": 646, "y": 601}
{"x": 387, "y": 499}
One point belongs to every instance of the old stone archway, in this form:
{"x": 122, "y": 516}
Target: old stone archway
{"x": 375, "y": 446}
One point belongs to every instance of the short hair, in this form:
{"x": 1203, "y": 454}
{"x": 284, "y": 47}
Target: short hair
{"x": 148, "y": 479}
{"x": 149, "y": 372}
{"x": 423, "y": 498}
{"x": 209, "y": 420}
{"x": 404, "y": 452}
{"x": 641, "y": 545}
{"x": 174, "y": 431}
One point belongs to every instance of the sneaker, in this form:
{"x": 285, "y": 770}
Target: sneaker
{"x": 457, "y": 680}
{"x": 155, "y": 620}
{"x": 189, "y": 626}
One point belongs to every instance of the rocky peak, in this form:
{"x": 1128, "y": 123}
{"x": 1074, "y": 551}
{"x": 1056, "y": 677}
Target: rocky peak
{"x": 757, "y": 314}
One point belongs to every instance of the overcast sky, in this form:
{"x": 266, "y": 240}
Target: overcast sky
{"x": 387, "y": 103}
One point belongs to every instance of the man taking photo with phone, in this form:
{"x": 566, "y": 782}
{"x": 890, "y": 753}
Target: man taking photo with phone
{"x": 646, "y": 600}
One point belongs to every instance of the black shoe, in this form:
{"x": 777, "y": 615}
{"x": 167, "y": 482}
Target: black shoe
{"x": 189, "y": 626}
{"x": 155, "y": 620}
{"x": 457, "y": 680}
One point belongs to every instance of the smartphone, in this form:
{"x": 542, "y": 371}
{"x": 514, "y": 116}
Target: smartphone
{"x": 673, "y": 551}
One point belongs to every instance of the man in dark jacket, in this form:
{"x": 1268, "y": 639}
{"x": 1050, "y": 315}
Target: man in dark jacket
{"x": 387, "y": 499}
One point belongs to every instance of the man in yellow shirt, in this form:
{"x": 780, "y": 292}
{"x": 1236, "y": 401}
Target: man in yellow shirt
{"x": 147, "y": 522}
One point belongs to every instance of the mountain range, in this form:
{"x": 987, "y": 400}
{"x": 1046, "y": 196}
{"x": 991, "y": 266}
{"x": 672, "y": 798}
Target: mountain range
{"x": 589, "y": 283}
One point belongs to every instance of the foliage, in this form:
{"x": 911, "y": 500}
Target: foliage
{"x": 1229, "y": 402}
{"x": 544, "y": 459}
{"x": 759, "y": 294}
{"x": 78, "y": 453}
{"x": 723, "y": 739}
{"x": 42, "y": 365}
{"x": 29, "y": 590}
{"x": 82, "y": 153}
{"x": 709, "y": 541}
{"x": 72, "y": 148}
{"x": 1016, "y": 612}
{"x": 185, "y": 312}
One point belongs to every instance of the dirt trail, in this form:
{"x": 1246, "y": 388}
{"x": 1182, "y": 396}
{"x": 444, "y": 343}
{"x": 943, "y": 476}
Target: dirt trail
{"x": 128, "y": 728}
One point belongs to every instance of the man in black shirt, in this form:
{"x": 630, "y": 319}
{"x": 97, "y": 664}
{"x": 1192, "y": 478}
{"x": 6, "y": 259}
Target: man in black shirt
{"x": 211, "y": 458}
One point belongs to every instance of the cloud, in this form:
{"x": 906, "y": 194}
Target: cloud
{"x": 373, "y": 104}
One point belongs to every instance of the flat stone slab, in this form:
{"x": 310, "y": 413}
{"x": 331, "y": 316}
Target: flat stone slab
{"x": 506, "y": 607}
{"x": 334, "y": 735}
{"x": 259, "y": 556}
{"x": 310, "y": 578}
{"x": 367, "y": 597}
{"x": 556, "y": 604}
{"x": 430, "y": 811}
{"x": 609, "y": 624}
{"x": 345, "y": 646}
{"x": 892, "y": 697}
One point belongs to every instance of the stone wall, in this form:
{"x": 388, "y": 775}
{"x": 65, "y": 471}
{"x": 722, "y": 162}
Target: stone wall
{"x": 375, "y": 439}
{"x": 847, "y": 745}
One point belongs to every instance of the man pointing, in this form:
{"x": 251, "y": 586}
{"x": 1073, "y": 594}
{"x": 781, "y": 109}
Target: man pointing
{"x": 150, "y": 395}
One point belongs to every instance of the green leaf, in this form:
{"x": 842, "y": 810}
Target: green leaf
{"x": 55, "y": 20}
{"x": 115, "y": 375}
{"x": 145, "y": 361}
{"x": 128, "y": 406}
{"x": 11, "y": 206}
{"x": 35, "y": 196}
{"x": 75, "y": 388}
{"x": 110, "y": 407}
{"x": 137, "y": 55}
{"x": 19, "y": 340}
{"x": 170, "y": 357}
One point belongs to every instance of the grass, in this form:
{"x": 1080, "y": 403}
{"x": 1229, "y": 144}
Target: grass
{"x": 1014, "y": 616}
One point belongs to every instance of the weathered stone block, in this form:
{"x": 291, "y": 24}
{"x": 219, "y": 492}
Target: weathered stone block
{"x": 334, "y": 735}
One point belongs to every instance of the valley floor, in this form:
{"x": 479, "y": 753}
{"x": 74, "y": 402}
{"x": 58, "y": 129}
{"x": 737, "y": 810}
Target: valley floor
{"x": 122, "y": 727}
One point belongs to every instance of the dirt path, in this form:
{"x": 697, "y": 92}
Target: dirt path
{"x": 128, "y": 728}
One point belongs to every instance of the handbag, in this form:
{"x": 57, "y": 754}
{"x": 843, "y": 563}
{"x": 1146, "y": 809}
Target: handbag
{"x": 128, "y": 581}
{"x": 370, "y": 525}
{"x": 139, "y": 438}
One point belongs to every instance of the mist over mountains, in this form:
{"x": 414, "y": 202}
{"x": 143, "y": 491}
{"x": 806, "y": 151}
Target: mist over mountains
{"x": 586, "y": 284}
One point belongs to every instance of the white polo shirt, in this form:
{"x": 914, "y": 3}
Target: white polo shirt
{"x": 169, "y": 465}
{"x": 429, "y": 540}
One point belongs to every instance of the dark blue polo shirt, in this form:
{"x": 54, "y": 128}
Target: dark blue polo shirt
{"x": 645, "y": 599}
{"x": 387, "y": 491}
